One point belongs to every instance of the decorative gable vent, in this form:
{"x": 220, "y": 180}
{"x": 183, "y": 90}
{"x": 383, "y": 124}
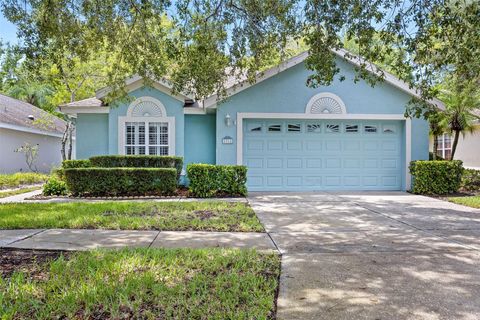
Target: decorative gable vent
{"x": 147, "y": 107}
{"x": 326, "y": 103}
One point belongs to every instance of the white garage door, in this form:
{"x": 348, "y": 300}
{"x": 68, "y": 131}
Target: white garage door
{"x": 297, "y": 155}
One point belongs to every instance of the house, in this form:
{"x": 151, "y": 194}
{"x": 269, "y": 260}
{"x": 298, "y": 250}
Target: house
{"x": 468, "y": 148}
{"x": 22, "y": 122}
{"x": 346, "y": 136}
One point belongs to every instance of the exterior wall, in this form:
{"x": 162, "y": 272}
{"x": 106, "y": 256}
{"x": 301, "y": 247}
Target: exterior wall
{"x": 287, "y": 92}
{"x": 199, "y": 139}
{"x": 468, "y": 149}
{"x": 92, "y": 135}
{"x": 173, "y": 107}
{"x": 48, "y": 154}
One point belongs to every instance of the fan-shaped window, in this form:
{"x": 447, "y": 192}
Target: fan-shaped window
{"x": 147, "y": 107}
{"x": 326, "y": 103}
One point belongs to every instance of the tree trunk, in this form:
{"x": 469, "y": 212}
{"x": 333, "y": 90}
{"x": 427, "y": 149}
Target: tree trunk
{"x": 64, "y": 141}
{"x": 455, "y": 142}
{"x": 70, "y": 141}
{"x": 435, "y": 147}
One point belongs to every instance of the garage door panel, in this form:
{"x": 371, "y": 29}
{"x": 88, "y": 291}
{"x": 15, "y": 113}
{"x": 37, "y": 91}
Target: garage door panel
{"x": 323, "y": 155}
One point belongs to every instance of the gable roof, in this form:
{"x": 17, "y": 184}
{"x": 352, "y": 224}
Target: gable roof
{"x": 242, "y": 83}
{"x": 16, "y": 115}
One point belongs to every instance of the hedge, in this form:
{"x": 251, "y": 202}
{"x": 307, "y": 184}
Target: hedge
{"x": 121, "y": 181}
{"x": 471, "y": 180}
{"x": 69, "y": 164}
{"x": 140, "y": 161}
{"x": 436, "y": 177}
{"x": 208, "y": 180}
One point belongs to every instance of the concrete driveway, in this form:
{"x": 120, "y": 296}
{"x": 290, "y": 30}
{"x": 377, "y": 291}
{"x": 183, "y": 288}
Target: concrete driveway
{"x": 373, "y": 255}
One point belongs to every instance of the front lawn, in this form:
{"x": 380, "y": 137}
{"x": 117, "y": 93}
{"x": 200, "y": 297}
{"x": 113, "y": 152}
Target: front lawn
{"x": 206, "y": 216}
{"x": 18, "y": 179}
{"x": 472, "y": 201}
{"x": 145, "y": 284}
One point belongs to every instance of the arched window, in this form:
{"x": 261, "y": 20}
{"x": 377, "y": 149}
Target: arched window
{"x": 325, "y": 103}
{"x": 146, "y": 130}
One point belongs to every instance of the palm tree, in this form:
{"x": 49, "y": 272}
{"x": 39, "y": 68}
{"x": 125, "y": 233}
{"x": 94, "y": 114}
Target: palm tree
{"x": 461, "y": 99}
{"x": 437, "y": 128}
{"x": 32, "y": 92}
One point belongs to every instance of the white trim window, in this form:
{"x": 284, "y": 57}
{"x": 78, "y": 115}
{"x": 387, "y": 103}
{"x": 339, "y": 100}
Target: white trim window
{"x": 146, "y": 130}
{"x": 444, "y": 148}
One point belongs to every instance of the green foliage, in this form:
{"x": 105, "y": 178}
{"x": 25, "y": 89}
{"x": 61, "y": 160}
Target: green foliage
{"x": 21, "y": 178}
{"x": 471, "y": 180}
{"x": 436, "y": 177}
{"x": 132, "y": 215}
{"x": 146, "y": 283}
{"x": 201, "y": 39}
{"x": 54, "y": 187}
{"x": 121, "y": 181}
{"x": 208, "y": 180}
{"x": 140, "y": 161}
{"x": 470, "y": 201}
{"x": 70, "y": 164}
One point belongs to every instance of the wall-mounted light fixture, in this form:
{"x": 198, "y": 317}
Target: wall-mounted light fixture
{"x": 228, "y": 120}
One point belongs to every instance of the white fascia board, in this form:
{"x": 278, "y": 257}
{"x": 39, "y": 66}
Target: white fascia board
{"x": 194, "y": 110}
{"x": 137, "y": 81}
{"x": 29, "y": 130}
{"x": 77, "y": 110}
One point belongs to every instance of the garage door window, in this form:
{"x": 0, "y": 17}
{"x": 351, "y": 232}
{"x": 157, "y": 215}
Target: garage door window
{"x": 370, "y": 129}
{"x": 297, "y": 127}
{"x": 333, "y": 128}
{"x": 314, "y": 128}
{"x": 349, "y": 128}
{"x": 254, "y": 127}
{"x": 389, "y": 129}
{"x": 275, "y": 128}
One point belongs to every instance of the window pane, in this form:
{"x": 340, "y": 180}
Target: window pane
{"x": 370, "y": 129}
{"x": 275, "y": 128}
{"x": 294, "y": 127}
{"x": 351, "y": 128}
{"x": 448, "y": 141}
{"x": 141, "y": 134}
{"x": 333, "y": 128}
{"x": 448, "y": 154}
{"x": 314, "y": 128}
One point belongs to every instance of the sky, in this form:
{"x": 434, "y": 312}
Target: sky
{"x": 8, "y": 32}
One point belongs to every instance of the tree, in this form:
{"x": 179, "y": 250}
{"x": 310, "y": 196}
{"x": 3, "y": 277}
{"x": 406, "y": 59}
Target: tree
{"x": 438, "y": 127}
{"x": 31, "y": 154}
{"x": 203, "y": 38}
{"x": 462, "y": 99}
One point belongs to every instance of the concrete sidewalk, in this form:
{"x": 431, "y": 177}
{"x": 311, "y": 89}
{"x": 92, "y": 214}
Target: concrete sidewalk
{"x": 86, "y": 239}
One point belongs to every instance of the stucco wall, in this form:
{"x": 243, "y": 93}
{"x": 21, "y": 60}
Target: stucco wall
{"x": 199, "y": 139}
{"x": 287, "y": 92}
{"x": 92, "y": 135}
{"x": 48, "y": 155}
{"x": 173, "y": 107}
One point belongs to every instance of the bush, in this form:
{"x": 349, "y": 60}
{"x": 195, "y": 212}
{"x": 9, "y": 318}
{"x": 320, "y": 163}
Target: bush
{"x": 54, "y": 187}
{"x": 121, "y": 181}
{"x": 69, "y": 164}
{"x": 471, "y": 180}
{"x": 21, "y": 178}
{"x": 436, "y": 177}
{"x": 118, "y": 161}
{"x": 208, "y": 180}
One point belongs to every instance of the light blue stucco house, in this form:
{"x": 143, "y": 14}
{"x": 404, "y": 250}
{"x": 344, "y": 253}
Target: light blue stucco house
{"x": 346, "y": 136}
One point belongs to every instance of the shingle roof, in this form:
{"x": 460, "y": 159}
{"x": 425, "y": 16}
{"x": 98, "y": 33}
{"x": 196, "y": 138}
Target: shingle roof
{"x": 89, "y": 102}
{"x": 16, "y": 112}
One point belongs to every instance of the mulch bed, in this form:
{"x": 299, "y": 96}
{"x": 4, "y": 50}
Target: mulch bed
{"x": 31, "y": 262}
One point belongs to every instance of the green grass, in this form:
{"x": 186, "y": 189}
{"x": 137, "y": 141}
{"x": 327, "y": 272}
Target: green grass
{"x": 147, "y": 284}
{"x": 21, "y": 178}
{"x": 4, "y": 194}
{"x": 473, "y": 201}
{"x": 208, "y": 216}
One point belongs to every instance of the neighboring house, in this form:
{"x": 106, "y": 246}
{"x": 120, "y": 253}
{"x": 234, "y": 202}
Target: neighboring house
{"x": 468, "y": 148}
{"x": 21, "y": 123}
{"x": 346, "y": 136}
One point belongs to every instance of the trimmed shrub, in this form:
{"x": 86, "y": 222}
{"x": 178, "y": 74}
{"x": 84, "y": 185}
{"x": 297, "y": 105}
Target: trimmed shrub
{"x": 141, "y": 161}
{"x": 436, "y": 177}
{"x": 208, "y": 180}
{"x": 69, "y": 164}
{"x": 54, "y": 187}
{"x": 471, "y": 180}
{"x": 121, "y": 181}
